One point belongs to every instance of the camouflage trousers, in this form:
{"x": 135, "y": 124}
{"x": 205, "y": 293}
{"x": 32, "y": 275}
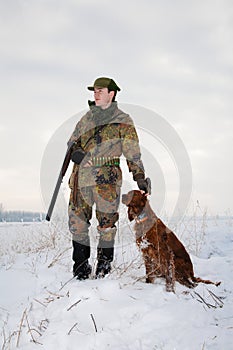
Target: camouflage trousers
{"x": 106, "y": 198}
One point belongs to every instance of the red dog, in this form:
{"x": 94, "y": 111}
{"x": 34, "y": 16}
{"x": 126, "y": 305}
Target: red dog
{"x": 164, "y": 255}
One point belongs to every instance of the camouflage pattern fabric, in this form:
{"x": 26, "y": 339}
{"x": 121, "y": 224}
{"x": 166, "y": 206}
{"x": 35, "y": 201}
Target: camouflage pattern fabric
{"x": 107, "y": 199}
{"x": 102, "y": 135}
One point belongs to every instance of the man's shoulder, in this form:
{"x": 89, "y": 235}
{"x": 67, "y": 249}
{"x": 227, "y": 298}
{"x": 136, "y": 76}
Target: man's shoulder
{"x": 87, "y": 115}
{"x": 85, "y": 118}
{"x": 84, "y": 124}
{"x": 123, "y": 117}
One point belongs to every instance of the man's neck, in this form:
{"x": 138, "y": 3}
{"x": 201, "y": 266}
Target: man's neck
{"x": 106, "y": 106}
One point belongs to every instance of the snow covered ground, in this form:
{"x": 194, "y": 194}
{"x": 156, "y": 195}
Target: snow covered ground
{"x": 42, "y": 307}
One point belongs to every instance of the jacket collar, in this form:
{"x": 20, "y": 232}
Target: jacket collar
{"x": 103, "y": 116}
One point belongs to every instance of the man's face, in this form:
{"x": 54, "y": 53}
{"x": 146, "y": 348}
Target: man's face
{"x": 103, "y": 98}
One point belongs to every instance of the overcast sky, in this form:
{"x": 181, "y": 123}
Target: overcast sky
{"x": 172, "y": 57}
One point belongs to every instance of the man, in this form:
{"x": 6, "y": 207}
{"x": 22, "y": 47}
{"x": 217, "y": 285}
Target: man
{"x": 102, "y": 135}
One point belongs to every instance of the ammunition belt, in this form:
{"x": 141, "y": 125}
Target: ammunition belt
{"x": 105, "y": 161}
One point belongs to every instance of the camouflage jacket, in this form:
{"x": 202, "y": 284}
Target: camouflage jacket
{"x": 105, "y": 135}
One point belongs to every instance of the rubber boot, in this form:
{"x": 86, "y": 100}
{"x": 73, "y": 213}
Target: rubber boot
{"x": 81, "y": 254}
{"x": 105, "y": 250}
{"x": 105, "y": 257}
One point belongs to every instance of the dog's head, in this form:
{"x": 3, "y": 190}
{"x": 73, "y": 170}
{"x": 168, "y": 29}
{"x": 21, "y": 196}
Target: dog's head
{"x": 135, "y": 201}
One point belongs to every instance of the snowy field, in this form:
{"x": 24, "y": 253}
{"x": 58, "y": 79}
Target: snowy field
{"x": 42, "y": 307}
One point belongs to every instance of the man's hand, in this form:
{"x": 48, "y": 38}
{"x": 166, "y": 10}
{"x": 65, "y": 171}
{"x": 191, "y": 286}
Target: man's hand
{"x": 144, "y": 185}
{"x": 78, "y": 155}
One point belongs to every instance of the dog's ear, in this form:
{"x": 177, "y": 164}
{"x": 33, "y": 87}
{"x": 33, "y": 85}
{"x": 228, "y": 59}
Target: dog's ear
{"x": 130, "y": 217}
{"x": 143, "y": 200}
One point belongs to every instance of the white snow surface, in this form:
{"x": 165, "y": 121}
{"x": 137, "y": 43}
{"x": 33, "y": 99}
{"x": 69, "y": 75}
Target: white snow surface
{"x": 43, "y": 307}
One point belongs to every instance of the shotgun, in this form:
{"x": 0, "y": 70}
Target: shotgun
{"x": 62, "y": 173}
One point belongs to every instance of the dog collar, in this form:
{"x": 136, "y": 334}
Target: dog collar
{"x": 141, "y": 218}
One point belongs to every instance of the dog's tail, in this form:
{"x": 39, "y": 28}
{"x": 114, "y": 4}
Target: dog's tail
{"x": 200, "y": 280}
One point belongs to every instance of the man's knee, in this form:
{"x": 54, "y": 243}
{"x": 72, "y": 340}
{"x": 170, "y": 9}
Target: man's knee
{"x": 78, "y": 225}
{"x": 107, "y": 220}
{"x": 106, "y": 236}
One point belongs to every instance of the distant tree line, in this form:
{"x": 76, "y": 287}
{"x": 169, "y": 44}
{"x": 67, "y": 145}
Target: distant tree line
{"x": 20, "y": 215}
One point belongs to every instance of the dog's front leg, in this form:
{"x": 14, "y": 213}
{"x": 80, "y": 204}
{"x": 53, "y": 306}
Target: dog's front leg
{"x": 150, "y": 268}
{"x": 170, "y": 273}
{"x": 150, "y": 277}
